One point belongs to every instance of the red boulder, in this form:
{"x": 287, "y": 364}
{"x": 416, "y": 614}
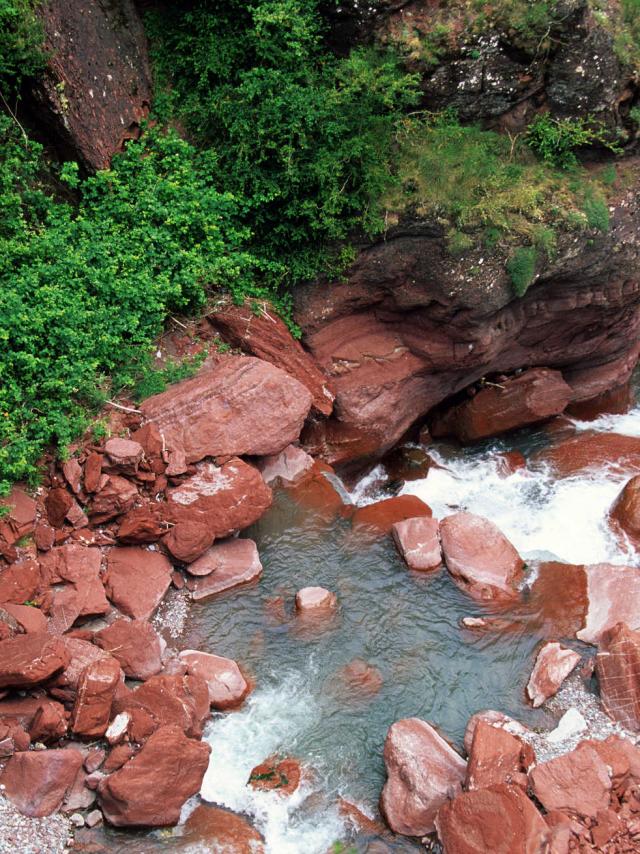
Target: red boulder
{"x": 37, "y": 781}
{"x": 418, "y": 542}
{"x": 136, "y": 580}
{"x": 28, "y": 659}
{"x": 225, "y": 565}
{"x": 225, "y": 682}
{"x": 96, "y": 691}
{"x": 618, "y": 671}
{"x": 554, "y": 663}
{"x": 135, "y": 644}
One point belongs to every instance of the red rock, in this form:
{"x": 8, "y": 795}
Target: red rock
{"x": 500, "y": 819}
{"x": 423, "y": 772}
{"x": 84, "y": 594}
{"x": 79, "y": 796}
{"x": 226, "y": 499}
{"x": 218, "y": 829}
{"x": 188, "y": 540}
{"x": 151, "y": 440}
{"x": 151, "y": 788}
{"x": 179, "y": 700}
{"x": 72, "y": 471}
{"x": 113, "y": 498}
{"x": 135, "y": 644}
{"x": 615, "y": 401}
{"x": 125, "y": 455}
{"x": 81, "y": 654}
{"x": 495, "y": 719}
{"x": 509, "y": 462}
{"x": 618, "y": 671}
{"x": 29, "y": 618}
{"x": 533, "y": 396}
{"x": 136, "y": 580}
{"x": 481, "y": 560}
{"x": 44, "y": 719}
{"x": 279, "y": 775}
{"x": 118, "y": 756}
{"x": 96, "y": 691}
{"x": 625, "y": 512}
{"x": 21, "y": 582}
{"x": 286, "y": 467}
{"x": 227, "y": 686}
{"x": 594, "y": 450}
{"x": 28, "y": 659}
{"x": 37, "y": 781}
{"x": 266, "y": 336}
{"x": 94, "y": 759}
{"x": 613, "y": 594}
{"x": 45, "y": 536}
{"x": 141, "y": 525}
{"x": 554, "y": 663}
{"x": 92, "y": 471}
{"x": 225, "y": 565}
{"x": 496, "y": 757}
{"x": 12, "y": 739}
{"x": 621, "y": 757}
{"x": 418, "y": 542}
{"x": 316, "y": 599}
{"x": 269, "y": 408}
{"x": 360, "y": 679}
{"x": 381, "y": 516}
{"x": 58, "y": 503}
{"x": 21, "y": 518}
{"x": 576, "y": 782}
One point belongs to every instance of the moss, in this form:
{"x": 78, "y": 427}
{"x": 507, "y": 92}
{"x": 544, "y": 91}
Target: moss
{"x": 522, "y": 268}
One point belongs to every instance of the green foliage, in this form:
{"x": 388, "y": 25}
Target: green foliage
{"x": 522, "y": 268}
{"x": 302, "y": 138}
{"x": 458, "y": 242}
{"x": 556, "y": 140}
{"x": 596, "y": 211}
{"x": 20, "y": 46}
{"x": 84, "y": 291}
{"x": 153, "y": 380}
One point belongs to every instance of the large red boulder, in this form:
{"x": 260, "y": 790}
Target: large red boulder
{"x": 21, "y": 582}
{"x": 215, "y": 829}
{"x": 554, "y": 663}
{"x": 534, "y": 395}
{"x": 136, "y": 646}
{"x": 577, "y": 782}
{"x": 228, "y": 564}
{"x": 481, "y": 560}
{"x": 189, "y": 539}
{"x": 44, "y": 719}
{"x": 613, "y": 596}
{"x": 625, "y": 512}
{"x": 96, "y": 691}
{"x": 36, "y": 781}
{"x": 618, "y": 671}
{"x": 227, "y": 686}
{"x": 114, "y": 496}
{"x": 500, "y": 819}
{"x": 83, "y": 594}
{"x": 226, "y": 499}
{"x": 594, "y": 451}
{"x": 136, "y": 580}
{"x": 239, "y": 406}
{"x": 28, "y": 617}
{"x": 494, "y": 719}
{"x": 97, "y": 85}
{"x": 150, "y": 789}
{"x": 418, "y": 542}
{"x": 265, "y": 335}
{"x": 497, "y": 756}
{"x": 423, "y": 772}
{"x": 178, "y": 700}
{"x": 26, "y": 660}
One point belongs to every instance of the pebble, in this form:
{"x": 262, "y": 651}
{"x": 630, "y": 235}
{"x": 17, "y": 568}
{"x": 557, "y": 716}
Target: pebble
{"x": 18, "y": 833}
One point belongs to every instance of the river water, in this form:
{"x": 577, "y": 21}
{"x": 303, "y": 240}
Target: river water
{"x": 407, "y": 625}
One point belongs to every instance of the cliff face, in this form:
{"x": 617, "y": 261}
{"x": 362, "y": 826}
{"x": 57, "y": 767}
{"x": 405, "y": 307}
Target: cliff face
{"x": 412, "y": 326}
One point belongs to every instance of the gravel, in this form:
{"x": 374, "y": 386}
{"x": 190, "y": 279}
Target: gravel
{"x": 22, "y": 835}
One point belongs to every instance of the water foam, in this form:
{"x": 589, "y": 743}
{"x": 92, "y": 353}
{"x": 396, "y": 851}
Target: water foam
{"x": 627, "y": 424}
{"x": 272, "y": 721}
{"x": 543, "y": 517}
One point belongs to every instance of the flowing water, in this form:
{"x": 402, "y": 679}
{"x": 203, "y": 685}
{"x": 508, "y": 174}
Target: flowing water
{"x": 405, "y": 624}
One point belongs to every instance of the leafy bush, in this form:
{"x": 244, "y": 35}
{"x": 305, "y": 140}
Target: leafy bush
{"x": 84, "y": 291}
{"x": 522, "y": 268}
{"x": 556, "y": 140}
{"x": 20, "y": 46}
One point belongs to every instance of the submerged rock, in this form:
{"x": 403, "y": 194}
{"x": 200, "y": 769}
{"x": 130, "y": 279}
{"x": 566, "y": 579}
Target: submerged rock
{"x": 150, "y": 789}
{"x": 533, "y": 396}
{"x": 481, "y": 560}
{"x": 217, "y": 829}
{"x": 423, "y": 772}
{"x": 380, "y": 517}
{"x": 315, "y": 600}
{"x": 418, "y": 542}
{"x": 618, "y": 671}
{"x": 554, "y": 663}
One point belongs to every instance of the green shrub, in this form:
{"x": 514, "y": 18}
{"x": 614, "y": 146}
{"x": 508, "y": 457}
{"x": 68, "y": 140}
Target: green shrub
{"x": 522, "y": 268}
{"x": 20, "y": 46}
{"x": 556, "y": 140}
{"x": 596, "y": 211}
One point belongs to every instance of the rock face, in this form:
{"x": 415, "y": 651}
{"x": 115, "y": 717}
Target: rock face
{"x": 151, "y": 788}
{"x": 28, "y": 659}
{"x": 535, "y": 395}
{"x": 227, "y": 686}
{"x": 418, "y": 542}
{"x": 481, "y": 560}
{"x": 613, "y": 594}
{"x": 423, "y": 772}
{"x": 226, "y": 499}
{"x": 229, "y": 564}
{"x": 554, "y": 663}
{"x": 269, "y": 408}
{"x": 136, "y": 580}
{"x": 500, "y": 819}
{"x": 626, "y": 511}
{"x": 401, "y": 335}
{"x": 97, "y": 86}
{"x": 37, "y": 781}
{"x": 618, "y": 671}
{"x": 266, "y": 336}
